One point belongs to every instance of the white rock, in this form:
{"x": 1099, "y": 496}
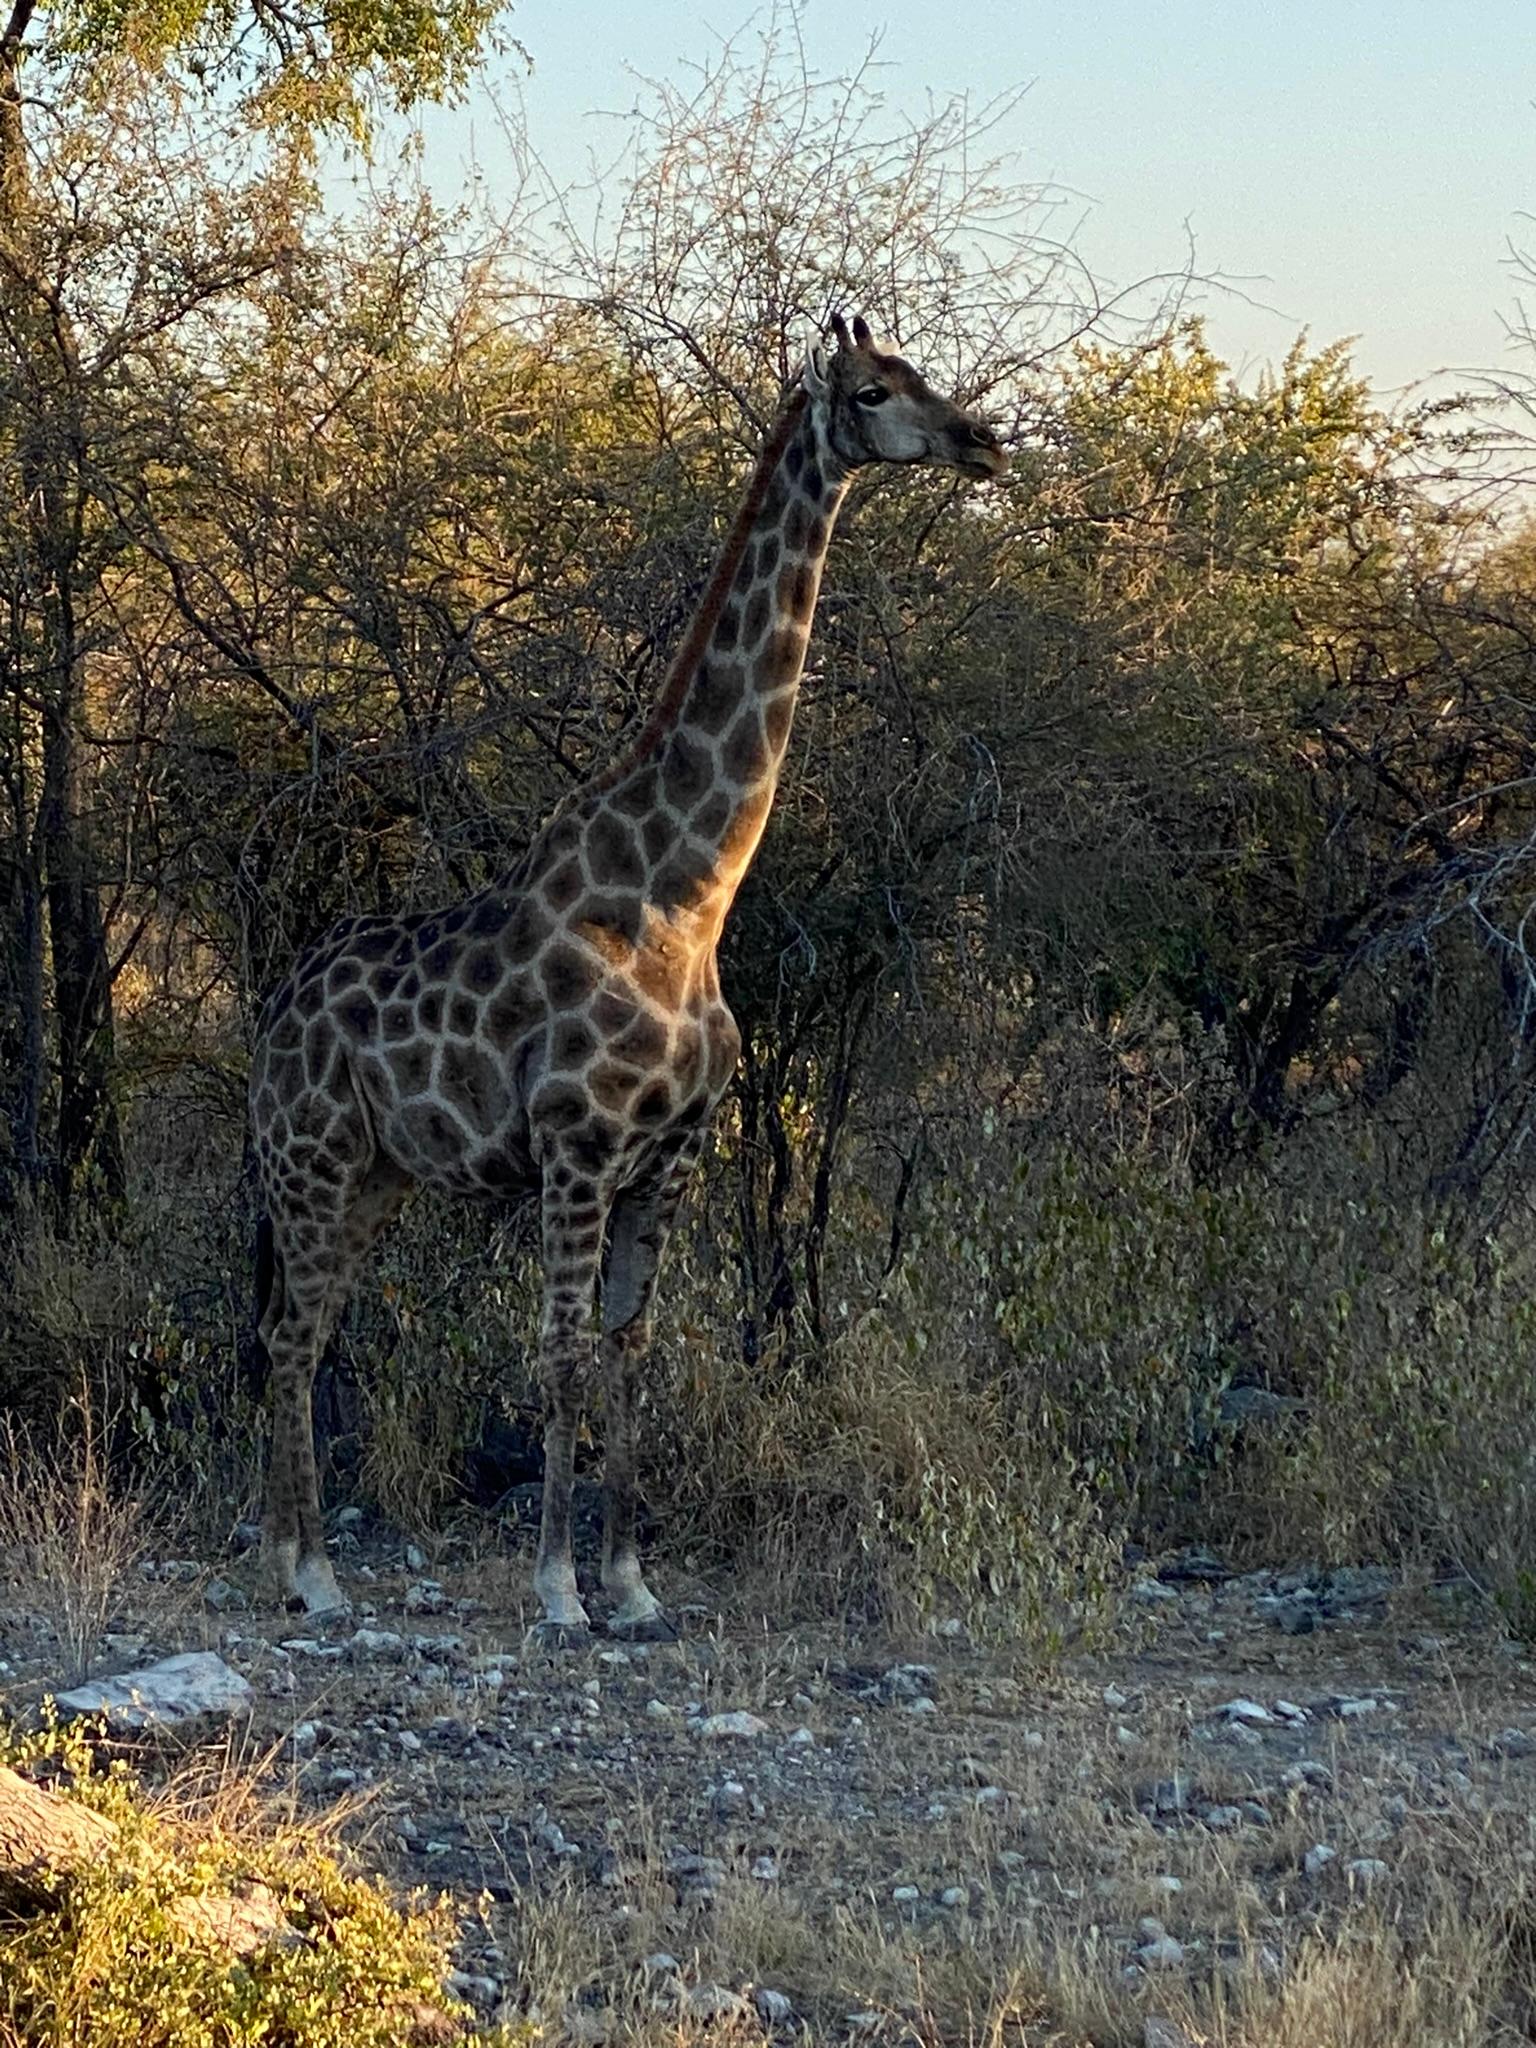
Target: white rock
{"x": 164, "y": 1695}
{"x": 376, "y": 1642}
{"x": 905, "y": 1895}
{"x": 1366, "y": 1870}
{"x": 1162, "y": 1954}
{"x": 741, "y": 1727}
{"x": 1287, "y": 1710}
{"x": 1246, "y": 1710}
{"x": 1317, "y": 1859}
{"x": 802, "y": 1738}
{"x": 923, "y": 1705}
{"x": 765, "y": 1870}
{"x": 658, "y": 1710}
{"x": 1223, "y": 1818}
{"x": 661, "y": 1964}
{"x": 1114, "y": 1698}
{"x": 954, "y": 1895}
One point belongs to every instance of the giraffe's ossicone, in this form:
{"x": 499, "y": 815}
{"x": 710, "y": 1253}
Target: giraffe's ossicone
{"x": 560, "y": 1037}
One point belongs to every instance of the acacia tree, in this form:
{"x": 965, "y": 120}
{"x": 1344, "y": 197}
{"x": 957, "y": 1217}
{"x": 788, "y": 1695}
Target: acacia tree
{"x": 86, "y": 284}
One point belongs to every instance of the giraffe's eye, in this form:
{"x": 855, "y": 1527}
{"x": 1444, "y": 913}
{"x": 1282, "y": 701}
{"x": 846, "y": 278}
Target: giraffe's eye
{"x": 872, "y": 394}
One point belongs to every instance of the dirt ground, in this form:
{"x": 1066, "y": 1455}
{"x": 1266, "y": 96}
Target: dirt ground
{"x": 1273, "y": 1800}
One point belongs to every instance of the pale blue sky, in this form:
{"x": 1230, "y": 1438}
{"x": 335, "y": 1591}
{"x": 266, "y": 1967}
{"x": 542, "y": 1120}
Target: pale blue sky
{"x": 1362, "y": 166}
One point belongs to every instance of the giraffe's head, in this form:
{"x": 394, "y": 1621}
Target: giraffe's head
{"x": 877, "y": 408}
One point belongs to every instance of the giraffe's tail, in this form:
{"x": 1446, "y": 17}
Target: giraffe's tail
{"x": 256, "y": 1359}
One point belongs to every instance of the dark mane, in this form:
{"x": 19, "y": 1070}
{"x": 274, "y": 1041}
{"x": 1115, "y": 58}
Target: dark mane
{"x": 691, "y": 651}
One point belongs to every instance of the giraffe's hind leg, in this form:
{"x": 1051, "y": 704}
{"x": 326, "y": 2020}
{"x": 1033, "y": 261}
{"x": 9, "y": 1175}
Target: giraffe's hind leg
{"x": 317, "y": 1259}
{"x": 641, "y": 1225}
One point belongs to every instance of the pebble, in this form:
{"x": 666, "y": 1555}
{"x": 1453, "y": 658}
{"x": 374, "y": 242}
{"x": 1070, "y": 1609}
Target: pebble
{"x": 425, "y": 1596}
{"x": 415, "y": 1558}
{"x": 765, "y": 1870}
{"x": 773, "y": 2008}
{"x": 659, "y": 1710}
{"x": 739, "y": 1726}
{"x": 905, "y": 1895}
{"x": 1162, "y": 1954}
{"x": 1114, "y": 1698}
{"x": 1317, "y": 1859}
{"x": 1512, "y": 1742}
{"x": 1223, "y": 1818}
{"x": 661, "y": 1964}
{"x": 1366, "y": 1870}
{"x": 923, "y": 1705}
{"x": 802, "y": 1738}
{"x": 954, "y": 1895}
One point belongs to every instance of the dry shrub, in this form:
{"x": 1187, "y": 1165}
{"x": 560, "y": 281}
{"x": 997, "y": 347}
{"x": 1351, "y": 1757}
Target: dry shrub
{"x": 69, "y": 1538}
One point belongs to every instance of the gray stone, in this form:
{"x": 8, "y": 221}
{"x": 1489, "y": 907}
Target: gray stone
{"x": 1164, "y": 1953}
{"x": 1366, "y": 1870}
{"x": 714, "y": 2002}
{"x": 1256, "y": 1407}
{"x": 376, "y": 1642}
{"x": 905, "y": 1895}
{"x": 1318, "y": 1858}
{"x": 1152, "y": 1592}
{"x": 1224, "y": 1819}
{"x": 954, "y": 1895}
{"x": 480, "y": 1992}
{"x": 1157, "y": 2032}
{"x": 773, "y": 2008}
{"x": 1512, "y": 1742}
{"x": 171, "y": 1694}
{"x": 903, "y": 1682}
{"x": 1250, "y": 1711}
{"x": 661, "y": 1964}
{"x": 738, "y": 1727}
{"x": 222, "y": 1597}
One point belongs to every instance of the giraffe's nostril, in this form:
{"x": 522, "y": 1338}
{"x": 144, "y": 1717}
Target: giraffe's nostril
{"x": 982, "y": 436}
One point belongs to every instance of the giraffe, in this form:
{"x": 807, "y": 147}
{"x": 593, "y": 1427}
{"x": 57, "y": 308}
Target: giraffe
{"x": 559, "y": 1038}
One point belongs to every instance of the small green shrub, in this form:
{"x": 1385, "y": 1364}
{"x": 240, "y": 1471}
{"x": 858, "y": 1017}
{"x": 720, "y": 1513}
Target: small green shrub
{"x": 114, "y": 1962}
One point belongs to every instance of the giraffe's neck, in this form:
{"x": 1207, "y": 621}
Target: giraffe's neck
{"x": 710, "y": 755}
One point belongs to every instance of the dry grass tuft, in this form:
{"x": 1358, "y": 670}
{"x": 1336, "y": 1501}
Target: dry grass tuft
{"x": 69, "y": 1538}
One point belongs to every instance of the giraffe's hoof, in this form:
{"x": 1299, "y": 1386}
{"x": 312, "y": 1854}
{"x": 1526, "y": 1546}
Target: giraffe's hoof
{"x": 645, "y": 1628}
{"x": 314, "y": 1592}
{"x": 555, "y": 1637}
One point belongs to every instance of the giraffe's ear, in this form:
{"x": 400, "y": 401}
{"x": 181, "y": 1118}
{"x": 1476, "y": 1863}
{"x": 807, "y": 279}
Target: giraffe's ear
{"x": 813, "y": 374}
{"x": 861, "y": 334}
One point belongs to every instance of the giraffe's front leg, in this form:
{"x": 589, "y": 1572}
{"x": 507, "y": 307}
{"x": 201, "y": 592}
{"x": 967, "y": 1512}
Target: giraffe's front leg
{"x": 572, "y": 1234}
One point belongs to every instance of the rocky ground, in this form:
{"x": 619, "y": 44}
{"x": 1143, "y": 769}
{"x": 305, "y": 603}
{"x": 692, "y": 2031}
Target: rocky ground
{"x": 1275, "y": 1792}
